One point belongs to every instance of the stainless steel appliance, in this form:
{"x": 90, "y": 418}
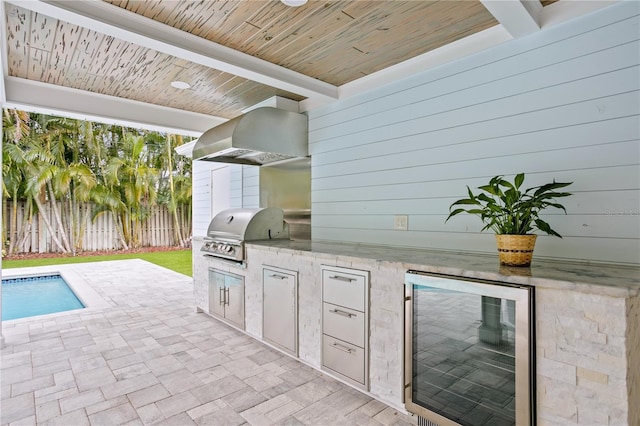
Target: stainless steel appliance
{"x": 276, "y": 140}
{"x": 261, "y": 136}
{"x": 345, "y": 324}
{"x": 230, "y": 229}
{"x": 226, "y": 296}
{"x": 288, "y": 186}
{"x": 469, "y": 352}
{"x": 280, "y": 308}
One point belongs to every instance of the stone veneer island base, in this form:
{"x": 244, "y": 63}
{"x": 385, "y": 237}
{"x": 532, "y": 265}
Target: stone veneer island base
{"x": 587, "y": 319}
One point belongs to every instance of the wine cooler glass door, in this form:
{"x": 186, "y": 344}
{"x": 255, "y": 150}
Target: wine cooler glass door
{"x": 468, "y": 351}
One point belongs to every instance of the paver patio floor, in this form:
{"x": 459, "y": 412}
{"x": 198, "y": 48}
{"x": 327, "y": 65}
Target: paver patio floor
{"x": 149, "y": 358}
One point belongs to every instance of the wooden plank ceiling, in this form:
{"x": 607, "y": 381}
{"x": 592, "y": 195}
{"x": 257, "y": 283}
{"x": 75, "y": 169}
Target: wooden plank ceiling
{"x": 334, "y": 41}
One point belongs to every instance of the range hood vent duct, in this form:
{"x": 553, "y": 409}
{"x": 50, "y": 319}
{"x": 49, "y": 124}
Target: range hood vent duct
{"x": 261, "y": 136}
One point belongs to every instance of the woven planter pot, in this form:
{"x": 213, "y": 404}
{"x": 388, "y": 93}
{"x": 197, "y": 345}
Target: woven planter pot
{"x": 515, "y": 250}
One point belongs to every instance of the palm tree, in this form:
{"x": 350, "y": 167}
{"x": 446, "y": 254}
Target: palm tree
{"x": 183, "y": 190}
{"x": 55, "y": 171}
{"x": 76, "y": 183}
{"x": 101, "y": 143}
{"x": 28, "y": 168}
{"x": 50, "y": 163}
{"x": 183, "y": 195}
{"x": 55, "y": 165}
{"x": 16, "y": 129}
{"x": 37, "y": 164}
{"x": 136, "y": 181}
{"x": 177, "y": 170}
{"x": 107, "y": 199}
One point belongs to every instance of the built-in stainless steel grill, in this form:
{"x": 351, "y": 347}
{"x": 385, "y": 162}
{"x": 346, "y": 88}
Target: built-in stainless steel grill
{"x": 230, "y": 229}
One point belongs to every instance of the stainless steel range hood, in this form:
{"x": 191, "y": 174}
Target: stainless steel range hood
{"x": 261, "y": 136}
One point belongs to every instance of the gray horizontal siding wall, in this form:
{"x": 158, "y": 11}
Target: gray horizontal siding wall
{"x": 201, "y": 196}
{"x": 250, "y": 186}
{"x": 243, "y": 191}
{"x": 236, "y": 187}
{"x": 561, "y": 104}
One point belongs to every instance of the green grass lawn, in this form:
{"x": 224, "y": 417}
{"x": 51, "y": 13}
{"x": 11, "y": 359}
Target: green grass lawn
{"x": 176, "y": 260}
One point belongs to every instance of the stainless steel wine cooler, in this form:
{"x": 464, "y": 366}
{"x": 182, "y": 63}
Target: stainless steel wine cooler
{"x": 469, "y": 351}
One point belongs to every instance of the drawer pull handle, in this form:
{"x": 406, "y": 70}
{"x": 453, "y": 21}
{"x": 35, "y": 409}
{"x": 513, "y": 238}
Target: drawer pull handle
{"x": 343, "y": 313}
{"x": 342, "y": 348}
{"x": 282, "y": 277}
{"x": 340, "y": 278}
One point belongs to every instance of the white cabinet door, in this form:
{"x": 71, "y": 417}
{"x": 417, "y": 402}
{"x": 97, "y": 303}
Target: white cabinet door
{"x": 280, "y": 319}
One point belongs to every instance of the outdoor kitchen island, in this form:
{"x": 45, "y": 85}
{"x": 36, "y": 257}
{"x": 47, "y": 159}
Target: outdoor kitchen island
{"x": 587, "y": 319}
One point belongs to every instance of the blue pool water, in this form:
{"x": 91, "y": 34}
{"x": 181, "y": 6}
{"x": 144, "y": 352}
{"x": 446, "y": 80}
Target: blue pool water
{"x": 31, "y": 296}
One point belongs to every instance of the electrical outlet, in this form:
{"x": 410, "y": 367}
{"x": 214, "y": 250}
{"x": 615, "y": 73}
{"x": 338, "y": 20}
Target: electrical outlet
{"x": 400, "y": 222}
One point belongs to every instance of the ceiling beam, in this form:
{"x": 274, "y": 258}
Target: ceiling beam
{"x": 518, "y": 17}
{"x": 125, "y": 25}
{"x": 51, "y": 99}
{"x": 563, "y": 11}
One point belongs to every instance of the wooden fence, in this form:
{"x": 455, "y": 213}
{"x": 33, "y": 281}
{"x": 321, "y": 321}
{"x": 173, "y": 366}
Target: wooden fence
{"x": 101, "y": 234}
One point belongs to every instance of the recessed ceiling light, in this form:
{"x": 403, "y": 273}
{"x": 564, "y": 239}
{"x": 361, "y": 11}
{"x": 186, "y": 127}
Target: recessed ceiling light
{"x": 294, "y": 3}
{"x": 180, "y": 84}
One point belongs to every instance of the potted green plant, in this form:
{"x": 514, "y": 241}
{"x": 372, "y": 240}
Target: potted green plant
{"x": 512, "y": 214}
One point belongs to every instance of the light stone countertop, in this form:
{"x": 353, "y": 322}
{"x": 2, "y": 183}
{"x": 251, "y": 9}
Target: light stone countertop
{"x": 586, "y": 277}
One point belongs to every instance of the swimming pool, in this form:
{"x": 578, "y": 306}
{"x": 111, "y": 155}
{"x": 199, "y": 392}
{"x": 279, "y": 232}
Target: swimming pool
{"x": 36, "y": 295}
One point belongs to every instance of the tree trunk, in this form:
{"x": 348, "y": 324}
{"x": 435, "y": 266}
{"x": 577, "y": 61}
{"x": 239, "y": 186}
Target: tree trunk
{"x": 120, "y": 229}
{"x": 189, "y": 225}
{"x": 173, "y": 206}
{"x": 13, "y": 232}
{"x": 72, "y": 223}
{"x": 82, "y": 229}
{"x": 25, "y": 227}
{"x": 56, "y": 215}
{"x": 48, "y": 225}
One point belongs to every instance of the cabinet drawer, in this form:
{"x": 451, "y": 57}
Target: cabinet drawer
{"x": 344, "y": 289}
{"x": 343, "y": 323}
{"x": 343, "y": 358}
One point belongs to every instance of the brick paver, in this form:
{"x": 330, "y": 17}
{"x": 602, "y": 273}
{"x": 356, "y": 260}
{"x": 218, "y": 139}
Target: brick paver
{"x": 149, "y": 358}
